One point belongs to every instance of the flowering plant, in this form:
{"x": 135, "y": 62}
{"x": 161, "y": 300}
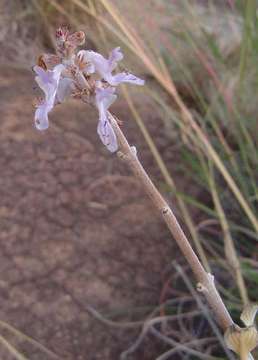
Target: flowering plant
{"x": 88, "y": 76}
{"x": 85, "y": 75}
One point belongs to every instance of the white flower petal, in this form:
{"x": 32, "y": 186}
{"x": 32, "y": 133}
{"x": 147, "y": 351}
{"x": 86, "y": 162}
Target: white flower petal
{"x": 125, "y": 78}
{"x": 114, "y": 56}
{"x": 90, "y": 68}
{"x": 64, "y": 90}
{"x": 99, "y": 63}
{"x": 41, "y": 116}
{"x": 104, "y": 67}
{"x": 104, "y": 98}
{"x": 107, "y": 135}
{"x": 48, "y": 81}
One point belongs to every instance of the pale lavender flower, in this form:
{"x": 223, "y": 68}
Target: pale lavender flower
{"x": 104, "y": 67}
{"x": 48, "y": 81}
{"x": 68, "y": 73}
{"x": 104, "y": 98}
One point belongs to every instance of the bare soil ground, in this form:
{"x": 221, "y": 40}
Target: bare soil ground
{"x": 75, "y": 230}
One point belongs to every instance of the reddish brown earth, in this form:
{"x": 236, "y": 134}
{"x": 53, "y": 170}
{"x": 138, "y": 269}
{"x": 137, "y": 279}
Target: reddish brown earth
{"x": 75, "y": 230}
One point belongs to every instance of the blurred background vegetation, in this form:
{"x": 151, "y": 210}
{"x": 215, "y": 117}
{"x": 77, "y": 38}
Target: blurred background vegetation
{"x": 200, "y": 62}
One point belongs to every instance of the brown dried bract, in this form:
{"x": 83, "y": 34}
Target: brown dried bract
{"x": 48, "y": 61}
{"x": 40, "y": 62}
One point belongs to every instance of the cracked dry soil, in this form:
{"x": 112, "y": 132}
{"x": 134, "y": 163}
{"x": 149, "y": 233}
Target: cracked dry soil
{"x": 75, "y": 230}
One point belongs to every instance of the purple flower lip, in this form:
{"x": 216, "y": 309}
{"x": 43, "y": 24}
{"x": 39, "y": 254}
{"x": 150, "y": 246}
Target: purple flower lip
{"x": 104, "y": 98}
{"x": 48, "y": 81}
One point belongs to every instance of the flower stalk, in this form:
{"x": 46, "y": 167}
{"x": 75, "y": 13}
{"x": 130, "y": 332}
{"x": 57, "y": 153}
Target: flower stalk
{"x": 205, "y": 280}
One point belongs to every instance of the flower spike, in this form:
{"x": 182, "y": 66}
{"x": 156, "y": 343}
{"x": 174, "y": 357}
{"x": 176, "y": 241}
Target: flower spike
{"x": 68, "y": 73}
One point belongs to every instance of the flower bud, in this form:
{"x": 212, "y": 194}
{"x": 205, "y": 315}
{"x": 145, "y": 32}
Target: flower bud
{"x": 61, "y": 34}
{"x": 76, "y": 39}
